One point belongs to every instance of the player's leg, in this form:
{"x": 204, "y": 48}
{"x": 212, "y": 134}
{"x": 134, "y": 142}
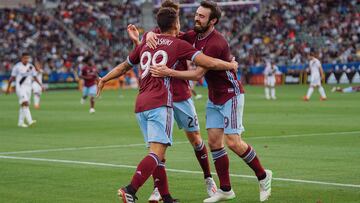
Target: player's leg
{"x": 37, "y": 93}
{"x": 233, "y": 111}
{"x": 322, "y": 92}
{"x": 85, "y": 92}
{"x": 186, "y": 118}
{"x": 156, "y": 125}
{"x": 22, "y": 100}
{"x": 272, "y": 88}
{"x": 26, "y": 94}
{"x": 92, "y": 94}
{"x": 36, "y": 100}
{"x": 267, "y": 89}
{"x": 309, "y": 93}
{"x": 214, "y": 126}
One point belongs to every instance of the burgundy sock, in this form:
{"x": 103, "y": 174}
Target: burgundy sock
{"x": 253, "y": 161}
{"x": 160, "y": 179}
{"x": 202, "y": 157}
{"x": 221, "y": 161}
{"x": 143, "y": 171}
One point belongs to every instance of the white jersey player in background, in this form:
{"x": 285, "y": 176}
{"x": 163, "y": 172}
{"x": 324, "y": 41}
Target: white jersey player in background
{"x": 270, "y": 80}
{"x": 36, "y": 88}
{"x": 316, "y": 76}
{"x": 23, "y": 73}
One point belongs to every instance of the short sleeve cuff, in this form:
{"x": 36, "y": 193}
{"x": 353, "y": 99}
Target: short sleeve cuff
{"x": 129, "y": 62}
{"x": 196, "y": 53}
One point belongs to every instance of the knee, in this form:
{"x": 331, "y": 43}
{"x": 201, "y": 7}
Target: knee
{"x": 194, "y": 138}
{"x": 215, "y": 144}
{"x": 232, "y": 144}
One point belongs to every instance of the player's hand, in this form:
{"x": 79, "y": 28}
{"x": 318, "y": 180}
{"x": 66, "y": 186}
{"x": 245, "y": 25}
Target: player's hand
{"x": 151, "y": 40}
{"x": 133, "y": 33}
{"x": 100, "y": 86}
{"x": 235, "y": 64}
{"x": 160, "y": 71}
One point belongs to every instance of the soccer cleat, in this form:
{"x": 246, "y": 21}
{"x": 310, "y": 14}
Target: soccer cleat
{"x": 333, "y": 89}
{"x": 323, "y": 98}
{"x": 82, "y": 101}
{"x": 220, "y": 196}
{"x": 22, "y": 125}
{"x": 155, "y": 196}
{"x": 305, "y": 98}
{"x": 273, "y": 98}
{"x": 92, "y": 110}
{"x": 265, "y": 186}
{"x": 37, "y": 106}
{"x": 32, "y": 123}
{"x": 210, "y": 186}
{"x": 199, "y": 96}
{"x": 125, "y": 196}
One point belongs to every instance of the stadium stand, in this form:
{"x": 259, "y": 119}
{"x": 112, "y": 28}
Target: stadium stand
{"x": 282, "y": 31}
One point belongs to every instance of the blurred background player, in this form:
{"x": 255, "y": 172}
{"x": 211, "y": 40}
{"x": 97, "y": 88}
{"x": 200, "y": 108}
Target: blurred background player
{"x": 270, "y": 80}
{"x": 316, "y": 76}
{"x": 36, "y": 88}
{"x": 349, "y": 89}
{"x": 90, "y": 76}
{"x": 23, "y": 73}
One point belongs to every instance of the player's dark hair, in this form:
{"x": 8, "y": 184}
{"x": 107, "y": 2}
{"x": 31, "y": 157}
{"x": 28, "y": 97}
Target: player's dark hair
{"x": 215, "y": 10}
{"x": 170, "y": 4}
{"x": 25, "y": 54}
{"x": 87, "y": 59}
{"x": 313, "y": 51}
{"x": 166, "y": 19}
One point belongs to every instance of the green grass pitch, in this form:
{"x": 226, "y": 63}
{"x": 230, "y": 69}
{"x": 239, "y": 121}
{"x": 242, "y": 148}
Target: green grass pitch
{"x": 312, "y": 147}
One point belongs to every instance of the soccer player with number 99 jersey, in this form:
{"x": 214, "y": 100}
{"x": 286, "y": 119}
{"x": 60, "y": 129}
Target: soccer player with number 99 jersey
{"x": 153, "y": 106}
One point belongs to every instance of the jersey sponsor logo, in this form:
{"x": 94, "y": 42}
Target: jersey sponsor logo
{"x": 231, "y": 90}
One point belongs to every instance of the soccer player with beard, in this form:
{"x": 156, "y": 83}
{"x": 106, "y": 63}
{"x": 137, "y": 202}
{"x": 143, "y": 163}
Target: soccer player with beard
{"x": 225, "y": 105}
{"x": 184, "y": 114}
{"x": 153, "y": 106}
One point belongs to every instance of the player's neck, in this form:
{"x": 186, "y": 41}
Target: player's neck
{"x": 206, "y": 33}
{"x": 170, "y": 33}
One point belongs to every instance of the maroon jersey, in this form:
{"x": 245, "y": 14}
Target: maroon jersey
{"x": 180, "y": 88}
{"x": 89, "y": 71}
{"x": 222, "y": 85}
{"x": 156, "y": 92}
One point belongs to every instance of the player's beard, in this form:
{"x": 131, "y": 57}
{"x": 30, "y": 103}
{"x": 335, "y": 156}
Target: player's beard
{"x": 198, "y": 28}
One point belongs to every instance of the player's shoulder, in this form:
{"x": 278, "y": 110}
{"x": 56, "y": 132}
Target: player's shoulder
{"x": 218, "y": 40}
{"x": 18, "y": 64}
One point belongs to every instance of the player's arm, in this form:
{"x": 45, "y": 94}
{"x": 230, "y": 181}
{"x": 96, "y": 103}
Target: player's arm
{"x": 133, "y": 34}
{"x": 211, "y": 63}
{"x": 164, "y": 71}
{"x": 119, "y": 70}
{"x": 322, "y": 75}
{"x": 11, "y": 79}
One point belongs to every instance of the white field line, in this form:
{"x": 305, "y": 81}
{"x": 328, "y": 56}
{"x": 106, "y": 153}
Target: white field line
{"x": 174, "y": 170}
{"x": 175, "y": 143}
